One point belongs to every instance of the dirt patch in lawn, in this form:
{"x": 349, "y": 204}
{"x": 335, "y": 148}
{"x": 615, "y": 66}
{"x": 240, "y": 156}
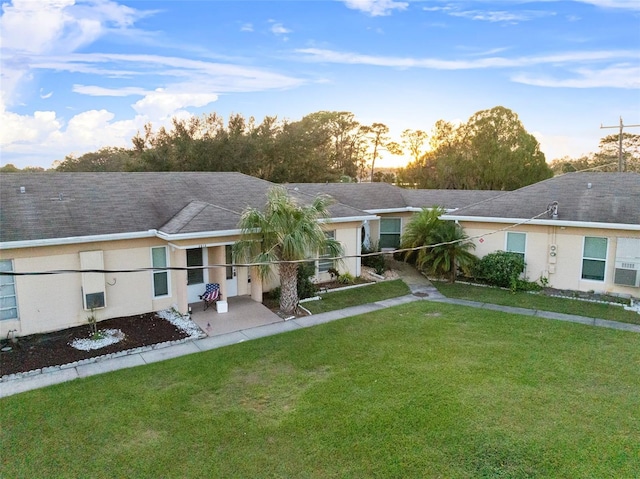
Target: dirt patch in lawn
{"x": 54, "y": 349}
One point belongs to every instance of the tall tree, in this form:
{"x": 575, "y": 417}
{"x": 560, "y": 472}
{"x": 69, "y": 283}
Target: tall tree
{"x": 105, "y": 159}
{"x": 378, "y": 138}
{"x": 285, "y": 232}
{"x": 491, "y": 151}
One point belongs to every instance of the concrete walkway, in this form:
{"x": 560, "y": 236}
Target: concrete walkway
{"x": 421, "y": 290}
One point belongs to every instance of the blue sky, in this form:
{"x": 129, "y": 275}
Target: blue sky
{"x": 80, "y": 75}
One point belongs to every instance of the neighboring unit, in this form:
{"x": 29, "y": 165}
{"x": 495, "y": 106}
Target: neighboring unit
{"x": 579, "y": 231}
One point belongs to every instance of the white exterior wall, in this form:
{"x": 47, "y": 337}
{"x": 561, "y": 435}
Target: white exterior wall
{"x": 564, "y": 270}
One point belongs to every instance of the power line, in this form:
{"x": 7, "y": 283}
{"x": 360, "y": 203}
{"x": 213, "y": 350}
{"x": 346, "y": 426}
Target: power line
{"x": 270, "y": 263}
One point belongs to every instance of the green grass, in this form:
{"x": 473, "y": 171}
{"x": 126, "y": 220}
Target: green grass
{"x": 353, "y": 297}
{"x": 423, "y": 390}
{"x": 537, "y": 301}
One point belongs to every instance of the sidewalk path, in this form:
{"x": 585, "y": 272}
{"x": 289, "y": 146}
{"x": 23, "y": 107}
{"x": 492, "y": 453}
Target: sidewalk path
{"x": 421, "y": 290}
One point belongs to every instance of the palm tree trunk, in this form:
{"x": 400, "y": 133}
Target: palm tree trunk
{"x": 289, "y": 287}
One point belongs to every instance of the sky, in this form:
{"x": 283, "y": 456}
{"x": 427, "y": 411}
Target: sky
{"x": 80, "y": 75}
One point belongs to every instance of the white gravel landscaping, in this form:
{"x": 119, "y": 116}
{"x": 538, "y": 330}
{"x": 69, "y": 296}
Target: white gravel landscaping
{"x": 181, "y": 321}
{"x": 109, "y": 336}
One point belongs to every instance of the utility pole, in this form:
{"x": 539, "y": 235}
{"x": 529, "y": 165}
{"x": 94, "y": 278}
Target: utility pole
{"x": 620, "y": 155}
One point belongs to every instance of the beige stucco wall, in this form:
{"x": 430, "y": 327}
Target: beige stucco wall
{"x": 53, "y": 302}
{"x": 565, "y": 269}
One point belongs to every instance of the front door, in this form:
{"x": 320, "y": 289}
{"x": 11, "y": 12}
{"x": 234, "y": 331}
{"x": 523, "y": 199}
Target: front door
{"x": 232, "y": 279}
{"x": 196, "y": 278}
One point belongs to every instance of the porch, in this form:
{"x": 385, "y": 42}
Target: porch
{"x": 243, "y": 313}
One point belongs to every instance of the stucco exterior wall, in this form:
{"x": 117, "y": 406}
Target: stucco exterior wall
{"x": 53, "y": 302}
{"x": 564, "y": 270}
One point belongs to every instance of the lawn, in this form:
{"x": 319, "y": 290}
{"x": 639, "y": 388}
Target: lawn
{"x": 536, "y": 301}
{"x": 355, "y": 296}
{"x": 416, "y": 391}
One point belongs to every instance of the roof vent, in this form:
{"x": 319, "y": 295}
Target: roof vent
{"x": 23, "y": 189}
{"x": 552, "y": 210}
{"x": 588, "y": 186}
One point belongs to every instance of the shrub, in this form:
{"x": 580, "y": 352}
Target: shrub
{"x": 306, "y": 289}
{"x": 500, "y": 269}
{"x": 375, "y": 261}
{"x": 346, "y": 278}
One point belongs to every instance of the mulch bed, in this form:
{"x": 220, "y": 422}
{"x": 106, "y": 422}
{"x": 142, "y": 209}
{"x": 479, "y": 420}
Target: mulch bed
{"x": 53, "y": 349}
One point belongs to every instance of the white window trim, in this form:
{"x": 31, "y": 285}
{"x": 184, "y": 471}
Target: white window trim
{"x": 153, "y": 289}
{"x": 15, "y": 294}
{"x": 330, "y": 234}
{"x": 606, "y": 260}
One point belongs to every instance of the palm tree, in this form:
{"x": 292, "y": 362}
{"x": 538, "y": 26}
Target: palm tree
{"x": 285, "y": 233}
{"x": 451, "y": 250}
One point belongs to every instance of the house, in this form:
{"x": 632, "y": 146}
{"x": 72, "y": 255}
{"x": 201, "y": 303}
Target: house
{"x": 393, "y": 206}
{"x": 578, "y": 231}
{"x": 133, "y": 226}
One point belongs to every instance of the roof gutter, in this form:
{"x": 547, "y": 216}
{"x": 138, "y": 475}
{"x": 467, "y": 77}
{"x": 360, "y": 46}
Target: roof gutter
{"x": 549, "y": 222}
{"x": 197, "y": 235}
{"x": 349, "y": 219}
{"x": 76, "y": 240}
{"x": 406, "y": 209}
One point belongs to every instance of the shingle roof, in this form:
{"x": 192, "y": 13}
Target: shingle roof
{"x": 584, "y": 197}
{"x": 381, "y": 196}
{"x": 448, "y": 199}
{"x": 62, "y": 205}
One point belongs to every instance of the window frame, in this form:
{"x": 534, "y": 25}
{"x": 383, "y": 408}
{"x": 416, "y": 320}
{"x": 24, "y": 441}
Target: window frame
{"x": 387, "y": 233}
{"x": 604, "y": 260}
{"x": 155, "y": 272}
{"x": 14, "y": 295}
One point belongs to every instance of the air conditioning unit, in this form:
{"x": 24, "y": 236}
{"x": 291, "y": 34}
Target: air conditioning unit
{"x": 627, "y": 273}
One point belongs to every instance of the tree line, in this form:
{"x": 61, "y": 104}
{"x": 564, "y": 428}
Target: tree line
{"x": 492, "y": 150}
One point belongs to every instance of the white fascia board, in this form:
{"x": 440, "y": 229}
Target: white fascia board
{"x": 406, "y": 209}
{"x": 76, "y": 240}
{"x": 548, "y": 222}
{"x": 348, "y": 219}
{"x": 197, "y": 235}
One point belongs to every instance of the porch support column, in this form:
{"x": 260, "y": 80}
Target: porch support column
{"x": 256, "y": 285}
{"x": 219, "y": 273}
{"x": 179, "y": 259}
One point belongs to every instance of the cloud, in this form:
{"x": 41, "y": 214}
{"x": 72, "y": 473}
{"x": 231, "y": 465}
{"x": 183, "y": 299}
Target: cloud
{"x": 246, "y": 27}
{"x": 163, "y": 104}
{"x": 330, "y": 56}
{"x": 498, "y": 16}
{"x": 616, "y": 76}
{"x": 54, "y": 27}
{"x": 622, "y": 4}
{"x": 93, "y": 90}
{"x": 44, "y": 96}
{"x": 279, "y": 29}
{"x": 376, "y": 8}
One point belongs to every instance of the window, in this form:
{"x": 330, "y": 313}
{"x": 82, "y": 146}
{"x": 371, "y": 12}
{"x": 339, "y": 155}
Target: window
{"x": 160, "y": 278}
{"x": 516, "y": 243}
{"x": 594, "y": 258}
{"x": 195, "y": 258}
{"x": 390, "y": 229}
{"x": 8, "y": 302}
{"x": 325, "y": 265}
